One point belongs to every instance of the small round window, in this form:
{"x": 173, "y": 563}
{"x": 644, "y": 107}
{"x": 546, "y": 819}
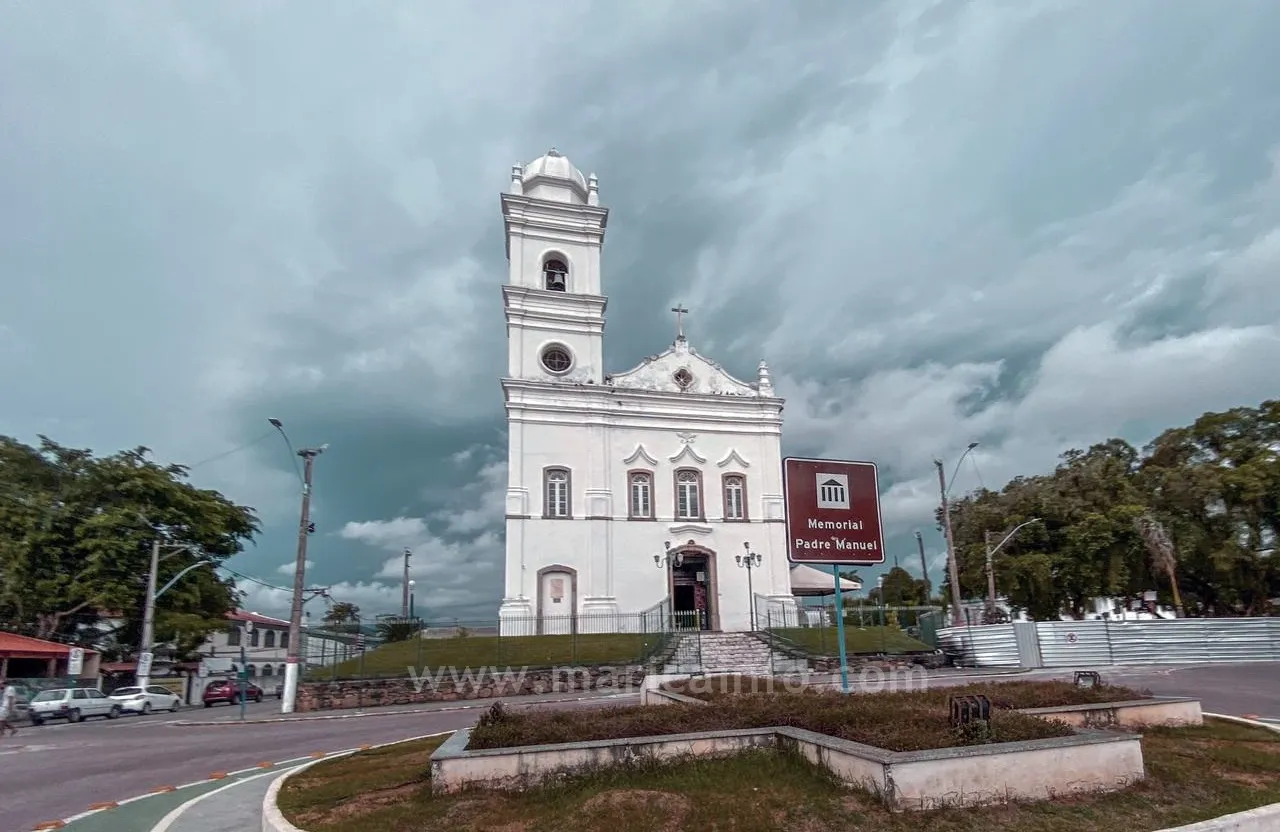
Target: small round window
{"x": 556, "y": 359}
{"x": 683, "y": 378}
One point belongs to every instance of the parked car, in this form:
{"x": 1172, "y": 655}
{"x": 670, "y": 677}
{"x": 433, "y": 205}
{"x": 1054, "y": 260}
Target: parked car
{"x": 71, "y": 704}
{"x": 228, "y": 690}
{"x": 135, "y": 700}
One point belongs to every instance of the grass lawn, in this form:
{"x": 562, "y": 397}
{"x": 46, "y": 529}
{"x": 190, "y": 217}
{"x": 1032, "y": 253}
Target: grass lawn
{"x": 824, "y": 641}
{"x": 1193, "y": 774}
{"x": 496, "y": 651}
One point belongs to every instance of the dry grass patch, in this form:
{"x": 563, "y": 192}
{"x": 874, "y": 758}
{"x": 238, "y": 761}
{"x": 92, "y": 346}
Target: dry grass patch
{"x": 1004, "y": 695}
{"x": 1194, "y": 774}
{"x": 893, "y": 721}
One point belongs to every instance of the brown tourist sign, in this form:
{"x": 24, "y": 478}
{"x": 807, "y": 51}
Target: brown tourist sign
{"x": 833, "y": 512}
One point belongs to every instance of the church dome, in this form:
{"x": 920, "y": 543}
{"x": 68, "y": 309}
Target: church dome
{"x": 554, "y": 165}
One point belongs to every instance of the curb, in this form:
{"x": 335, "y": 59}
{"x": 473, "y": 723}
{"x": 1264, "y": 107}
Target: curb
{"x": 273, "y": 820}
{"x": 361, "y": 714}
{"x": 1245, "y": 721}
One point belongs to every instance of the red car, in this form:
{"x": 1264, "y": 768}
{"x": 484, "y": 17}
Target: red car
{"x": 228, "y": 690}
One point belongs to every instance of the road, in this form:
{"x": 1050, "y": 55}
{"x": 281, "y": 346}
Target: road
{"x": 57, "y": 770}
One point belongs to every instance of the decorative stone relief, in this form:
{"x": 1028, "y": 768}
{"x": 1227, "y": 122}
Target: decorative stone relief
{"x": 733, "y": 456}
{"x": 681, "y": 370}
{"x": 688, "y": 451}
{"x": 640, "y": 453}
{"x": 690, "y": 528}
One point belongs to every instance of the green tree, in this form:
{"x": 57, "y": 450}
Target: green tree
{"x": 398, "y": 629}
{"x": 343, "y": 616}
{"x": 1195, "y": 516}
{"x": 75, "y": 541}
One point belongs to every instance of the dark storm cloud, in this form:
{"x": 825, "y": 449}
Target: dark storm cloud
{"x": 938, "y": 222}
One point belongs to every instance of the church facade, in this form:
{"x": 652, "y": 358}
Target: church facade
{"x": 635, "y": 498}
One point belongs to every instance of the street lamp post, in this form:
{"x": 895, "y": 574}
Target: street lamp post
{"x": 406, "y": 609}
{"x": 290, "y": 693}
{"x": 666, "y": 561}
{"x": 991, "y": 553}
{"x": 145, "y": 656}
{"x": 749, "y": 562}
{"x": 951, "y": 540}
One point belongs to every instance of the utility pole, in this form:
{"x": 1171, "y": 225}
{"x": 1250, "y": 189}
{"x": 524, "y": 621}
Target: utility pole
{"x": 143, "y": 676}
{"x": 404, "y": 604}
{"x": 924, "y": 568}
{"x": 291, "y": 670}
{"x": 991, "y": 573}
{"x": 951, "y": 547}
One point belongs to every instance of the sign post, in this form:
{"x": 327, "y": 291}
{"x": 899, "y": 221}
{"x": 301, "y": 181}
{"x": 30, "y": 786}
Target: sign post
{"x": 833, "y": 520}
{"x": 75, "y": 662}
{"x": 244, "y": 666}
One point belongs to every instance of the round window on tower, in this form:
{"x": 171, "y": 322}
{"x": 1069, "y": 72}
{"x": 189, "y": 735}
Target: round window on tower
{"x": 556, "y": 359}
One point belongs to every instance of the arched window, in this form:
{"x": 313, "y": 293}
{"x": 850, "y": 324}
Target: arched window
{"x": 253, "y": 671}
{"x": 280, "y": 670}
{"x": 556, "y": 489}
{"x": 555, "y": 275}
{"x": 641, "y": 483}
{"x": 735, "y": 497}
{"x": 266, "y": 670}
{"x": 269, "y": 640}
{"x": 688, "y": 495}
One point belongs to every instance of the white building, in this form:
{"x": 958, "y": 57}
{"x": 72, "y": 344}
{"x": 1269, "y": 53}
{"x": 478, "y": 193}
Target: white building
{"x": 614, "y": 477}
{"x": 266, "y": 646}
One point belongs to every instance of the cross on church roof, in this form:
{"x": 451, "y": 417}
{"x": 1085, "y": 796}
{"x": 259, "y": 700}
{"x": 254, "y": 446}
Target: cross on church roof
{"x": 680, "y": 313}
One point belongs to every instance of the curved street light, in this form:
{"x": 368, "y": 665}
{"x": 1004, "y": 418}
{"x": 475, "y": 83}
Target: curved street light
{"x": 944, "y": 487}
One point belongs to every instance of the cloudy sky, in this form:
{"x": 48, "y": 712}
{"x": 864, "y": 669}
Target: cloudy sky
{"x": 1033, "y": 224}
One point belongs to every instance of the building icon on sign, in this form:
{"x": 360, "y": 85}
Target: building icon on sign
{"x": 833, "y": 490}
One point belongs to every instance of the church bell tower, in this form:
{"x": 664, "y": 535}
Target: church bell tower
{"x": 554, "y": 307}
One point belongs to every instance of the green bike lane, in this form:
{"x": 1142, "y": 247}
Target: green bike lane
{"x": 226, "y": 796}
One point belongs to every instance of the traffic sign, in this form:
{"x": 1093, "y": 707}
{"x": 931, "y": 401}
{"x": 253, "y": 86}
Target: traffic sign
{"x": 75, "y": 661}
{"x": 144, "y": 664}
{"x": 833, "y": 512}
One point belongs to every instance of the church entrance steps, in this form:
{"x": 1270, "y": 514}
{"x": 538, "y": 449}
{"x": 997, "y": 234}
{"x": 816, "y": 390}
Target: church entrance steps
{"x": 730, "y": 653}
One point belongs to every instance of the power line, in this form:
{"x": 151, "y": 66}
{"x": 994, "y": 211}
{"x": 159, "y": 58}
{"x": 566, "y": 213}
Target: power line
{"x": 235, "y": 450}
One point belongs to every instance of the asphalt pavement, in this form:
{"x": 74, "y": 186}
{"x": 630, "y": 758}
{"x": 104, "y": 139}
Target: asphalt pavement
{"x": 57, "y": 771}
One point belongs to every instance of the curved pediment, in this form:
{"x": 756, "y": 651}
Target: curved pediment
{"x": 733, "y": 456}
{"x": 640, "y": 453}
{"x": 681, "y": 370}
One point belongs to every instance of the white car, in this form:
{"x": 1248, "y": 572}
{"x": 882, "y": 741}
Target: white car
{"x": 155, "y": 698}
{"x": 71, "y": 704}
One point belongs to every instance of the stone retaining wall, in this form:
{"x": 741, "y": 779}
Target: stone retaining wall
{"x": 466, "y": 685}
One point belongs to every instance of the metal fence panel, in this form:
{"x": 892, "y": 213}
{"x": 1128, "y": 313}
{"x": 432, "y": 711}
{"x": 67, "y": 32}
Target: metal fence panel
{"x": 989, "y": 645}
{"x": 1194, "y": 640}
{"x": 1073, "y": 643}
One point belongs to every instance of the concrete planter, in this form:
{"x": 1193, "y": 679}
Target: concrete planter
{"x": 1165, "y": 711}
{"x": 1091, "y": 761}
{"x": 1169, "y": 711}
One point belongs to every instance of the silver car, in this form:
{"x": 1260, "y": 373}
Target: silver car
{"x": 71, "y": 704}
{"x": 135, "y": 700}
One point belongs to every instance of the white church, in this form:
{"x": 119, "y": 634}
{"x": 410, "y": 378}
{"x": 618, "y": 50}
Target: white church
{"x": 640, "y": 498}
